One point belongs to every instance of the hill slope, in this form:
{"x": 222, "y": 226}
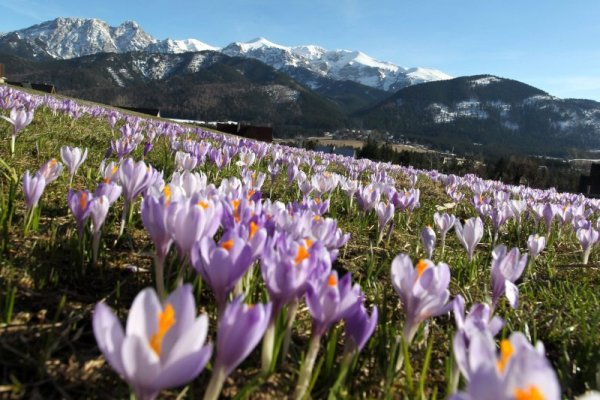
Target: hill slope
{"x": 488, "y": 113}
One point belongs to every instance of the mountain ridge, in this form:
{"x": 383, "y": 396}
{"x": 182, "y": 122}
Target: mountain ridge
{"x": 67, "y": 37}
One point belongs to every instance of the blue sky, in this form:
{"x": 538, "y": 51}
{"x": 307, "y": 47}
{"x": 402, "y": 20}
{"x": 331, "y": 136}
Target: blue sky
{"x": 552, "y": 44}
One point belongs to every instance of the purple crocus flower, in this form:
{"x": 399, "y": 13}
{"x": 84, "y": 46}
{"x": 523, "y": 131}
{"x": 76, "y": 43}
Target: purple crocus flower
{"x": 191, "y": 220}
{"x": 476, "y": 321}
{"x": 233, "y": 346}
{"x": 328, "y": 302}
{"x": 470, "y": 234}
{"x": 51, "y": 170}
{"x": 98, "y": 210}
{"x": 79, "y": 205}
{"x": 222, "y": 265}
{"x": 154, "y": 217}
{"x": 587, "y": 237}
{"x": 423, "y": 290}
{"x": 19, "y": 119}
{"x": 359, "y": 328}
{"x": 367, "y": 197}
{"x": 443, "y": 222}
{"x": 535, "y": 245}
{"x": 135, "y": 177}
{"x": 33, "y": 187}
{"x": 385, "y": 213}
{"x": 286, "y": 265}
{"x": 520, "y": 371}
{"x": 428, "y": 240}
{"x": 507, "y": 267}
{"x": 73, "y": 158}
{"x": 112, "y": 191}
{"x": 163, "y": 345}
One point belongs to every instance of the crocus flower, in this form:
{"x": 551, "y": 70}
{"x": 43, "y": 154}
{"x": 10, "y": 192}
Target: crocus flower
{"x": 51, "y": 170}
{"x": 33, "y": 187}
{"x": 477, "y": 321}
{"x": 79, "y": 205}
{"x": 520, "y": 371}
{"x": 385, "y": 213}
{"x": 507, "y": 267}
{"x": 163, "y": 345}
{"x": 588, "y": 237}
{"x": 112, "y": 191}
{"x": 98, "y": 210}
{"x": 134, "y": 178}
{"x": 240, "y": 329}
{"x": 222, "y": 265}
{"x": 359, "y": 327}
{"x": 19, "y": 119}
{"x": 470, "y": 234}
{"x": 191, "y": 220}
{"x": 428, "y": 240}
{"x": 535, "y": 245}
{"x": 328, "y": 302}
{"x": 73, "y": 158}
{"x": 423, "y": 290}
{"x": 443, "y": 222}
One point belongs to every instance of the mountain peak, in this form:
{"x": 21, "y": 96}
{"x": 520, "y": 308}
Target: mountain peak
{"x": 71, "y": 37}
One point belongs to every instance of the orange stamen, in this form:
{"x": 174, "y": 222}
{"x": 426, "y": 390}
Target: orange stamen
{"x": 203, "y": 204}
{"x": 83, "y": 200}
{"x": 421, "y": 267}
{"x": 506, "y": 351}
{"x": 227, "y": 245}
{"x": 531, "y": 393}
{"x": 166, "y": 320}
{"x": 302, "y": 255}
{"x": 332, "y": 280}
{"x": 253, "y": 229}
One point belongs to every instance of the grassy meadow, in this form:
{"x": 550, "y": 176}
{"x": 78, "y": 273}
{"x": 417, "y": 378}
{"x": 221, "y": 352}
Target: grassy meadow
{"x": 49, "y": 286}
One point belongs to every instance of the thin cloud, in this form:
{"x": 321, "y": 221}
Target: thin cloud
{"x": 37, "y": 11}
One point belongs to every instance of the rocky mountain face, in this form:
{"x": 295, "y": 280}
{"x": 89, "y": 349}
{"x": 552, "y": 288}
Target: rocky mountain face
{"x": 66, "y": 38}
{"x": 299, "y": 90}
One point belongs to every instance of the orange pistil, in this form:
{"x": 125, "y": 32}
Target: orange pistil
{"x": 506, "y": 351}
{"x": 253, "y": 229}
{"x": 302, "y": 254}
{"x": 203, "y": 204}
{"x": 166, "y": 320}
{"x": 167, "y": 193}
{"x": 421, "y": 267}
{"x": 332, "y": 280}
{"x": 83, "y": 200}
{"x": 251, "y": 193}
{"x": 531, "y": 393}
{"x": 308, "y": 243}
{"x": 227, "y": 245}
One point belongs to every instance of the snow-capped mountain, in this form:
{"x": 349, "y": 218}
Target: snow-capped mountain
{"x": 66, "y": 38}
{"x": 348, "y": 65}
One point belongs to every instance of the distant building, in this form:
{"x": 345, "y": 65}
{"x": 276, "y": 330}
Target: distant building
{"x": 41, "y": 87}
{"x": 262, "y": 133}
{"x": 155, "y": 112}
{"x": 342, "y": 151}
{"x": 590, "y": 184}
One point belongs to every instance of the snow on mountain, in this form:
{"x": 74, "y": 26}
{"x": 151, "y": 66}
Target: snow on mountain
{"x": 336, "y": 64}
{"x": 65, "y": 38}
{"x": 171, "y": 46}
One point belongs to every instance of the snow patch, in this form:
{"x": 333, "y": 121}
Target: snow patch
{"x": 484, "y": 81}
{"x": 116, "y": 77}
